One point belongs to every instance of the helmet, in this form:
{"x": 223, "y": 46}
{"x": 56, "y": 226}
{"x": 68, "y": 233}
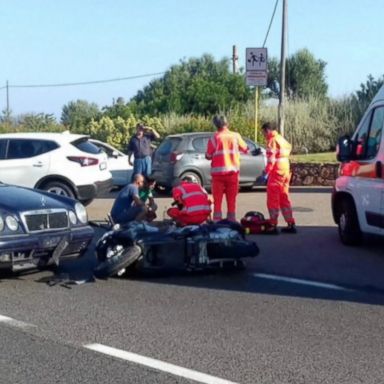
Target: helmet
{"x": 254, "y": 216}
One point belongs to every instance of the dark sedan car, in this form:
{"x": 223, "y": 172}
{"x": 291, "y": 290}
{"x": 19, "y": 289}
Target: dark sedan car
{"x": 40, "y": 228}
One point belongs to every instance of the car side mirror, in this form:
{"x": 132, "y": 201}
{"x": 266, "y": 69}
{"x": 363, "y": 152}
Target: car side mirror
{"x": 344, "y": 149}
{"x": 256, "y": 152}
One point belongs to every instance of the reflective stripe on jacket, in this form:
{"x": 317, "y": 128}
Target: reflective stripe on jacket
{"x": 278, "y": 151}
{"x": 193, "y": 198}
{"x": 224, "y": 151}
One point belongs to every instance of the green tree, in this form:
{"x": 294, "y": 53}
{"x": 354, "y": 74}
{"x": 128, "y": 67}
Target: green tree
{"x": 76, "y": 114}
{"x": 118, "y": 109}
{"x": 39, "y": 122}
{"x": 305, "y": 76}
{"x": 197, "y": 86}
{"x": 362, "y": 97}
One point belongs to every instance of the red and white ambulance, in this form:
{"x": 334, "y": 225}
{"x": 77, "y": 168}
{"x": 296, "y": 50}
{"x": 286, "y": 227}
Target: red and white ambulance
{"x": 358, "y": 197}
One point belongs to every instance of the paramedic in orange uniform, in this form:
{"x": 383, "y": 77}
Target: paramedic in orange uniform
{"x": 277, "y": 174}
{"x": 193, "y": 204}
{"x": 224, "y": 152}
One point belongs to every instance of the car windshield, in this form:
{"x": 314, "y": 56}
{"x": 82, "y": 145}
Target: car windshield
{"x": 86, "y": 146}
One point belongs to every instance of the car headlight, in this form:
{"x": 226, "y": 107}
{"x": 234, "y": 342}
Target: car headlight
{"x": 72, "y": 217}
{"x": 1, "y": 223}
{"x": 12, "y": 223}
{"x": 81, "y": 213}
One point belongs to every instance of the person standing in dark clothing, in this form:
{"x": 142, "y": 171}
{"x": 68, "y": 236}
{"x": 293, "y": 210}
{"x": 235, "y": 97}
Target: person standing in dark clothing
{"x": 140, "y": 147}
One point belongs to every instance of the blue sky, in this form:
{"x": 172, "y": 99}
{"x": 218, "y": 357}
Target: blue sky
{"x": 58, "y": 41}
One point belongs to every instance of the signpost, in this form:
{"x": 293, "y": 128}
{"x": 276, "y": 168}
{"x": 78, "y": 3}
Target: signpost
{"x": 256, "y": 74}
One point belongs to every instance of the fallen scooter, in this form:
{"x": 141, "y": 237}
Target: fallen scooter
{"x": 145, "y": 247}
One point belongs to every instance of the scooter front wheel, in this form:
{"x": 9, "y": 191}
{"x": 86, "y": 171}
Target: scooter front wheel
{"x": 122, "y": 259}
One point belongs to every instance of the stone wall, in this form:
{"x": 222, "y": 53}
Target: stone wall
{"x": 314, "y": 174}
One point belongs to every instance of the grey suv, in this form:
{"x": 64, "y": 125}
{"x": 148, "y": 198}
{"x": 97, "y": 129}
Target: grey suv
{"x": 184, "y": 154}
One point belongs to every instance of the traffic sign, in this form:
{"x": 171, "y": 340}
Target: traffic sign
{"x": 257, "y": 78}
{"x": 256, "y": 60}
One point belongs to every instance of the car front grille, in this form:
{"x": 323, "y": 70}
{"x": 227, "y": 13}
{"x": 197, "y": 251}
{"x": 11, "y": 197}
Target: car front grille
{"x": 44, "y": 220}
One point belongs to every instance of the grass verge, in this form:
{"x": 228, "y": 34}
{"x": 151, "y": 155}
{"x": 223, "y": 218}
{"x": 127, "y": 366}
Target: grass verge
{"x": 326, "y": 157}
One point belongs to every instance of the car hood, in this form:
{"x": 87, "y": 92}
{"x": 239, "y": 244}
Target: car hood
{"x": 19, "y": 199}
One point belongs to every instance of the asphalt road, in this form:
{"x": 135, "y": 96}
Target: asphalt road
{"x": 306, "y": 310}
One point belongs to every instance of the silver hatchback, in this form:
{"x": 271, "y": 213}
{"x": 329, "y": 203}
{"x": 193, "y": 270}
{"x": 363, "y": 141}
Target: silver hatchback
{"x": 184, "y": 155}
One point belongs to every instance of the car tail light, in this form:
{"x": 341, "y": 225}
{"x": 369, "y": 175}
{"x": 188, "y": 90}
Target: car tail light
{"x": 175, "y": 156}
{"x": 84, "y": 161}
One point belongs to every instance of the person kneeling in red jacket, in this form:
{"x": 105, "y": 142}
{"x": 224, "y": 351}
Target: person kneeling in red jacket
{"x": 193, "y": 204}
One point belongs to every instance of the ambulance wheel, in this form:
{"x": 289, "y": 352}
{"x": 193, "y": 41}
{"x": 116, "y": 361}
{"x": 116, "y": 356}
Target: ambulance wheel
{"x": 349, "y": 228}
{"x": 122, "y": 259}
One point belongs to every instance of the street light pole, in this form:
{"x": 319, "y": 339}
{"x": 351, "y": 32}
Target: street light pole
{"x": 282, "y": 67}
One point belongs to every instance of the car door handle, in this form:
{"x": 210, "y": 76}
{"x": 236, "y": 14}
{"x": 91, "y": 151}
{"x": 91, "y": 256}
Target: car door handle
{"x": 38, "y": 165}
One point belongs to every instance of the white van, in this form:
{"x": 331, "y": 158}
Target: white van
{"x": 358, "y": 197}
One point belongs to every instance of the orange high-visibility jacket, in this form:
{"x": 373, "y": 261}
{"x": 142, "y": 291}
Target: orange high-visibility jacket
{"x": 224, "y": 151}
{"x": 278, "y": 151}
{"x": 193, "y": 197}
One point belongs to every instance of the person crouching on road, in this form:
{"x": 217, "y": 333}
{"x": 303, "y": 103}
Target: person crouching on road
{"x": 277, "y": 174}
{"x": 223, "y": 150}
{"x": 146, "y": 196}
{"x": 193, "y": 204}
{"x": 128, "y": 206}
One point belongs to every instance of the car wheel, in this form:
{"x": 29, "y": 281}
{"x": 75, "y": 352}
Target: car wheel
{"x": 194, "y": 176}
{"x": 59, "y": 188}
{"x": 349, "y": 228}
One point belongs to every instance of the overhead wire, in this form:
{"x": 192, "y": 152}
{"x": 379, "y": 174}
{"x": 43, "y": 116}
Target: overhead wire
{"x": 83, "y": 82}
{"x": 270, "y": 23}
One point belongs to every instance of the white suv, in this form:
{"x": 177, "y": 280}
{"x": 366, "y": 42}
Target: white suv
{"x": 61, "y": 163}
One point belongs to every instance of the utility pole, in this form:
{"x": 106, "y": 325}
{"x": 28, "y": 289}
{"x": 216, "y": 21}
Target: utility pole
{"x": 7, "y": 92}
{"x": 235, "y": 58}
{"x": 256, "y": 110}
{"x": 282, "y": 67}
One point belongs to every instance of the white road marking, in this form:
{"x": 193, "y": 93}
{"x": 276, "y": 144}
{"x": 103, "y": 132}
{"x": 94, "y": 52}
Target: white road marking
{"x": 316, "y": 284}
{"x": 158, "y": 365}
{"x": 15, "y": 323}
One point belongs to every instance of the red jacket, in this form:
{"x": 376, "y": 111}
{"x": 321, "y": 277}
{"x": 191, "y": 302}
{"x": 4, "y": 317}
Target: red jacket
{"x": 224, "y": 151}
{"x": 278, "y": 151}
{"x": 193, "y": 198}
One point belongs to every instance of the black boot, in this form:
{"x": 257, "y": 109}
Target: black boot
{"x": 271, "y": 229}
{"x": 290, "y": 228}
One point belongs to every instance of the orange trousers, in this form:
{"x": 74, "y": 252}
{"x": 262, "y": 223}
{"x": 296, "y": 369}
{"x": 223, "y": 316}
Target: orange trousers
{"x": 227, "y": 185}
{"x": 278, "y": 198}
{"x": 184, "y": 218}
